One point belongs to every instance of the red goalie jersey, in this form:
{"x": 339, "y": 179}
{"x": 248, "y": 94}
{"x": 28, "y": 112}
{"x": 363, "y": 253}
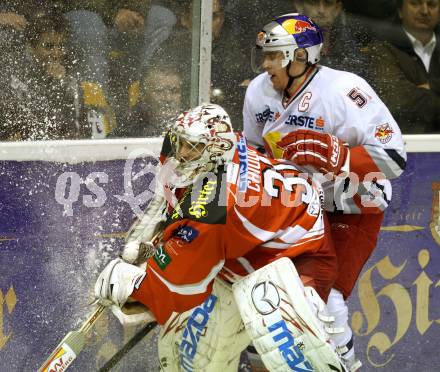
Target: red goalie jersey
{"x": 231, "y": 223}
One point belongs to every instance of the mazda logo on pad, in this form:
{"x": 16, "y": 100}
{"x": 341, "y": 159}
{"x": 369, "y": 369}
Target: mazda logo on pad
{"x": 265, "y": 297}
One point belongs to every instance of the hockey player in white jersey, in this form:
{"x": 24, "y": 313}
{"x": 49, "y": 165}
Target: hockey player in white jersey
{"x": 333, "y": 123}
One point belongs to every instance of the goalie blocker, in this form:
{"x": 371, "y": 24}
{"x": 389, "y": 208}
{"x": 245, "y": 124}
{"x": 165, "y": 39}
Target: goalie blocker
{"x": 285, "y": 320}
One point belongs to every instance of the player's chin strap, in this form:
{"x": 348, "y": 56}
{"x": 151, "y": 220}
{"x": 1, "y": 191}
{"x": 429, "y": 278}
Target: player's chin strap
{"x": 292, "y": 78}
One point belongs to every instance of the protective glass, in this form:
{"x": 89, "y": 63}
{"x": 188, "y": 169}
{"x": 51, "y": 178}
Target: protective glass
{"x": 318, "y": 2}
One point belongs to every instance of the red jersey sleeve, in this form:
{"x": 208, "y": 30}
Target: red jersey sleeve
{"x": 180, "y": 275}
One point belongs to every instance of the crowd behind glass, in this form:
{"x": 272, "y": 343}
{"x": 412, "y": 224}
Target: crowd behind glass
{"x": 121, "y": 68}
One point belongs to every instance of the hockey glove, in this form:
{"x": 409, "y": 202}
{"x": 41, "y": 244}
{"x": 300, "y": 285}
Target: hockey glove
{"x": 117, "y": 282}
{"x": 136, "y": 252}
{"x": 139, "y": 245}
{"x": 323, "y": 151}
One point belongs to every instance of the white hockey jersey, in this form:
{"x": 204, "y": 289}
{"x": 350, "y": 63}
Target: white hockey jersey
{"x": 343, "y": 104}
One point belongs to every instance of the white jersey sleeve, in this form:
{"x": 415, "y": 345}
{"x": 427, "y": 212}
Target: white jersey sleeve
{"x": 252, "y": 125}
{"x": 363, "y": 121}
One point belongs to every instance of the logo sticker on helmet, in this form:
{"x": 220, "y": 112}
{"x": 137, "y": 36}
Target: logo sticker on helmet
{"x": 297, "y": 26}
{"x": 286, "y": 34}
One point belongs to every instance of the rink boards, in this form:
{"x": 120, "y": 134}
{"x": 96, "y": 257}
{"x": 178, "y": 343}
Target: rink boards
{"x": 65, "y": 206}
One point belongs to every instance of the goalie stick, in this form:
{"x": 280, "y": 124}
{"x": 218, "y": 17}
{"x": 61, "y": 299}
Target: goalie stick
{"x": 69, "y": 348}
{"x": 127, "y": 347}
{"x": 71, "y": 345}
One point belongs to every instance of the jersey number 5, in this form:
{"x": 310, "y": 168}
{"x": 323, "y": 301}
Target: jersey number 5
{"x": 357, "y": 97}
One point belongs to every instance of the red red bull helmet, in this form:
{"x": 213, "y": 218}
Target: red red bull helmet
{"x": 289, "y": 32}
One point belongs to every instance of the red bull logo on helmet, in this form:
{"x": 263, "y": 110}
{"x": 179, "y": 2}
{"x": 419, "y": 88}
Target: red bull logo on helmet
{"x": 297, "y": 26}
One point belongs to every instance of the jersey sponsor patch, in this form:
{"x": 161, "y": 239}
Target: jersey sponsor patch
{"x": 242, "y": 155}
{"x": 162, "y": 258}
{"x": 267, "y": 115}
{"x": 384, "y": 133}
{"x": 314, "y": 208}
{"x": 198, "y": 206}
{"x": 186, "y": 233}
{"x": 319, "y": 123}
{"x": 250, "y": 173}
{"x": 306, "y": 121}
{"x": 202, "y": 203}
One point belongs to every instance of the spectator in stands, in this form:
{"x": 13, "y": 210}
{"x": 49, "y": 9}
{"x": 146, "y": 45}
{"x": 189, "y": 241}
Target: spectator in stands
{"x": 230, "y": 68}
{"x": 110, "y": 42}
{"x": 345, "y": 39}
{"x": 408, "y": 72}
{"x": 9, "y": 17}
{"x": 113, "y": 41}
{"x": 37, "y": 99}
{"x": 229, "y": 60}
{"x": 378, "y": 9}
{"x": 12, "y": 25}
{"x": 161, "y": 97}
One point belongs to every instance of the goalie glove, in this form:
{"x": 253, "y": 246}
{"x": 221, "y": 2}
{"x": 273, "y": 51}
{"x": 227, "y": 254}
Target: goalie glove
{"x": 117, "y": 282}
{"x": 136, "y": 252}
{"x": 129, "y": 317}
{"x": 139, "y": 245}
{"x": 323, "y": 151}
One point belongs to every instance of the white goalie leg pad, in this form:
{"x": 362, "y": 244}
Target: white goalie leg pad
{"x": 282, "y": 322}
{"x": 320, "y": 309}
{"x": 207, "y": 338}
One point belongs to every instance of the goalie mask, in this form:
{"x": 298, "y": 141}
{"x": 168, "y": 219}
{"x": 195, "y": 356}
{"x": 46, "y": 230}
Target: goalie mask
{"x": 286, "y": 34}
{"x": 202, "y": 139}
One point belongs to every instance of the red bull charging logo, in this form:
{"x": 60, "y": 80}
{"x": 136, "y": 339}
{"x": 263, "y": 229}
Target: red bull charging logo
{"x": 297, "y": 26}
{"x": 384, "y": 133}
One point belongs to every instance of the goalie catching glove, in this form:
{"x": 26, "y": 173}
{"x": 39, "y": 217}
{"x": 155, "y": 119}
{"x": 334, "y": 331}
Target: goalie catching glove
{"x": 323, "y": 151}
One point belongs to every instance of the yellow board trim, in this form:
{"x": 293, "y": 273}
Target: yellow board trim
{"x": 402, "y": 228}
